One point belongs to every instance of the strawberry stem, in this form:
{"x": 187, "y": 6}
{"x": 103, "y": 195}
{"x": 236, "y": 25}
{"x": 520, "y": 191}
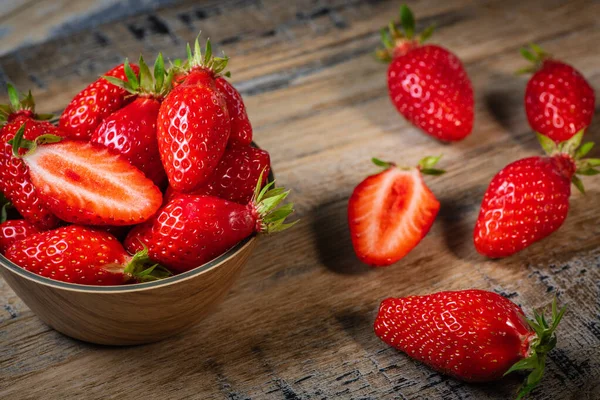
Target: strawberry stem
{"x": 155, "y": 84}
{"x": 266, "y": 201}
{"x": 206, "y": 61}
{"x": 19, "y": 142}
{"x": 139, "y": 270}
{"x": 541, "y": 345}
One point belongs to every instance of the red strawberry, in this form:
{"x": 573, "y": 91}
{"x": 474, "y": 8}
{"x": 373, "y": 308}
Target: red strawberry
{"x": 85, "y": 184}
{"x": 192, "y": 230}
{"x": 15, "y": 230}
{"x": 428, "y": 84}
{"x": 77, "y": 254}
{"x": 94, "y": 103}
{"x": 14, "y": 174}
{"x": 391, "y": 212}
{"x": 235, "y": 177}
{"x": 559, "y": 102}
{"x": 131, "y": 130}
{"x": 517, "y": 210}
{"x": 203, "y": 69}
{"x": 473, "y": 335}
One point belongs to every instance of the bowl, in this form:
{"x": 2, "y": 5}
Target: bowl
{"x": 129, "y": 314}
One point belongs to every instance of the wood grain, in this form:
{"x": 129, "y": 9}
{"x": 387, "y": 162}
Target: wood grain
{"x": 297, "y": 324}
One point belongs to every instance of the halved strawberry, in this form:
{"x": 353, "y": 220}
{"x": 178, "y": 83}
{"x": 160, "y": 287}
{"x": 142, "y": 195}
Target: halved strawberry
{"x": 85, "y": 184}
{"x": 390, "y": 212}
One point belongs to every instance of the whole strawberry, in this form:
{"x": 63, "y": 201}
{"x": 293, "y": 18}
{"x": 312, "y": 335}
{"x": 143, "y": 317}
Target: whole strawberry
{"x": 529, "y": 199}
{"x": 473, "y": 335}
{"x": 131, "y": 130}
{"x": 86, "y": 184}
{"x": 15, "y": 182}
{"x": 207, "y": 70}
{"x": 428, "y": 84}
{"x": 389, "y": 213}
{"x": 193, "y": 130}
{"x": 236, "y": 176}
{"x": 14, "y": 230}
{"x": 192, "y": 230}
{"x": 77, "y": 254}
{"x": 94, "y": 103}
{"x": 559, "y": 102}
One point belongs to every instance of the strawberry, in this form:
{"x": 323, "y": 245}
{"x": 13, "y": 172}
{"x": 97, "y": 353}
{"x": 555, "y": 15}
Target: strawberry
{"x": 200, "y": 68}
{"x": 192, "y": 230}
{"x": 77, "y": 254}
{"x": 14, "y": 174}
{"x": 428, "y": 84}
{"x": 131, "y": 130}
{"x": 235, "y": 177}
{"x": 389, "y": 213}
{"x": 473, "y": 335}
{"x": 85, "y": 184}
{"x": 12, "y": 231}
{"x": 559, "y": 102}
{"x": 517, "y": 210}
{"x": 94, "y": 103}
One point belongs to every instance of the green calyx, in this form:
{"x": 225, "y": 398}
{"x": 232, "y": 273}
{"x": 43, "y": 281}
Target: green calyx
{"x": 19, "y": 142}
{"x": 140, "y": 270}
{"x": 536, "y": 55}
{"x": 577, "y": 151}
{"x": 19, "y": 102}
{"x": 396, "y": 36}
{"x": 155, "y": 84}
{"x": 426, "y": 165}
{"x": 206, "y": 60}
{"x": 540, "y": 346}
{"x": 267, "y": 202}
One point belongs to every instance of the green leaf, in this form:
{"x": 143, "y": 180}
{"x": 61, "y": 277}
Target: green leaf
{"x": 407, "y": 20}
{"x": 592, "y": 162}
{"x": 578, "y": 184}
{"x": 197, "y": 52}
{"x": 380, "y": 163}
{"x": 584, "y": 149}
{"x": 547, "y": 144}
{"x": 13, "y": 96}
{"x": 429, "y": 162}
{"x": 528, "y": 55}
{"x": 207, "y": 52}
{"x": 589, "y": 172}
{"x": 116, "y": 81}
{"x": 159, "y": 72}
{"x": 131, "y": 76}
{"x": 537, "y": 49}
{"x": 432, "y": 171}
{"x": 530, "y": 362}
{"x": 426, "y": 34}
{"x": 570, "y": 146}
{"x": 385, "y": 38}
{"x": 146, "y": 79}
{"x": 188, "y": 51}
{"x": 227, "y": 74}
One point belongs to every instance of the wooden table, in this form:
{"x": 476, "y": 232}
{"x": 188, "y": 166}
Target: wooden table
{"x": 298, "y": 323}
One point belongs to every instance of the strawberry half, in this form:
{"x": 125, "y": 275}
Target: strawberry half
{"x": 85, "y": 184}
{"x": 517, "y": 210}
{"x": 94, "y": 103}
{"x": 559, "y": 102}
{"x": 391, "y": 212}
{"x": 192, "y": 230}
{"x": 236, "y": 176}
{"x": 131, "y": 130}
{"x": 428, "y": 84}
{"x": 473, "y": 335}
{"x": 14, "y": 174}
{"x": 77, "y": 254}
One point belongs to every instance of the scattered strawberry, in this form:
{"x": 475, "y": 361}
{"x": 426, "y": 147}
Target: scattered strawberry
{"x": 428, "y": 84}
{"x": 559, "y": 102}
{"x": 81, "y": 255}
{"x": 94, "y": 103}
{"x": 473, "y": 335}
{"x": 529, "y": 199}
{"x": 208, "y": 71}
{"x": 192, "y": 230}
{"x": 14, "y": 230}
{"x": 235, "y": 177}
{"x": 193, "y": 130}
{"x": 391, "y": 212}
{"x": 85, "y": 184}
{"x": 131, "y": 130}
{"x": 14, "y": 174}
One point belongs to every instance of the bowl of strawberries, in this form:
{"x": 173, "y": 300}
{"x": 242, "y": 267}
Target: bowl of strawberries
{"x": 133, "y": 215}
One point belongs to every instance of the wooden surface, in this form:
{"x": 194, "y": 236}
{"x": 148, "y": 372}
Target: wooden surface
{"x": 298, "y": 322}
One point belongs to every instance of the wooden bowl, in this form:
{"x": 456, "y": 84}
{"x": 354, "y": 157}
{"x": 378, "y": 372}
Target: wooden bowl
{"x": 134, "y": 314}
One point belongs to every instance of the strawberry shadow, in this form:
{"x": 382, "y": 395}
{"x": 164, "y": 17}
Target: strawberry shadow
{"x": 333, "y": 242}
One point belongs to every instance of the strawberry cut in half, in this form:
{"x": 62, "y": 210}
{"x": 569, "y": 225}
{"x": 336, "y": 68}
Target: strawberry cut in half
{"x": 85, "y": 184}
{"x": 391, "y": 212}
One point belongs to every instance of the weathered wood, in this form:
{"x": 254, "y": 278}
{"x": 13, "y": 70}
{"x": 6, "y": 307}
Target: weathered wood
{"x": 297, "y": 324}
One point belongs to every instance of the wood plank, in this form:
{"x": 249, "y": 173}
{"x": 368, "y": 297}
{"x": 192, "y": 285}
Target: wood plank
{"x": 297, "y": 324}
